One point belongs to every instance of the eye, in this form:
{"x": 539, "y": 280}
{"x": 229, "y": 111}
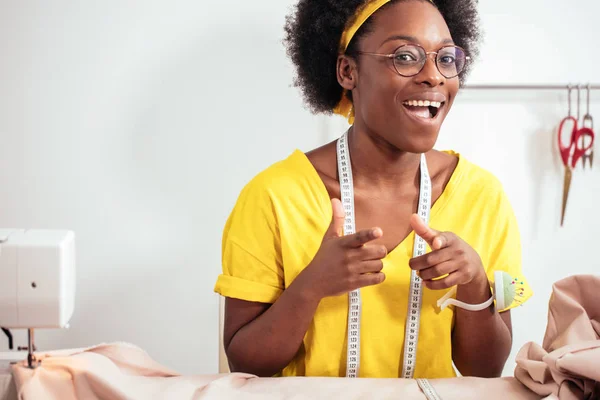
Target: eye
{"x": 405, "y": 58}
{"x": 447, "y": 59}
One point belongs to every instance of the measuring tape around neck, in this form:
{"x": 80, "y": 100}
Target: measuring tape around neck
{"x": 411, "y": 336}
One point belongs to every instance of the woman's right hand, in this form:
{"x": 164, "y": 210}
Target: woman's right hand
{"x": 343, "y": 263}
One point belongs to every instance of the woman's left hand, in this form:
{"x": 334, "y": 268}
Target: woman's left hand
{"x": 449, "y": 255}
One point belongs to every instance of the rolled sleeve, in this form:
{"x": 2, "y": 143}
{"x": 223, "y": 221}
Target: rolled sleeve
{"x": 251, "y": 252}
{"x": 243, "y": 289}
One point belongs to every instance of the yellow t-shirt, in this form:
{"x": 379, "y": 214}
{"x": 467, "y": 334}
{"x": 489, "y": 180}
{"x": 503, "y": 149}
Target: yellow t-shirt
{"x": 277, "y": 226}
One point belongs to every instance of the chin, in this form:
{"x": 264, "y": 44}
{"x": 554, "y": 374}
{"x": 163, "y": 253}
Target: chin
{"x": 420, "y": 145}
{"x": 414, "y": 139}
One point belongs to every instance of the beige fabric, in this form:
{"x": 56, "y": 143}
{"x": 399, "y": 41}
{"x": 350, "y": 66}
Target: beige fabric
{"x": 567, "y": 365}
{"x": 8, "y": 390}
{"x": 123, "y": 371}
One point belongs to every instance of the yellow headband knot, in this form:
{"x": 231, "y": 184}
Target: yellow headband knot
{"x": 345, "y": 107}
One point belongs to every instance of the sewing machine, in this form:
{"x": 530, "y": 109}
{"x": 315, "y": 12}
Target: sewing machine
{"x": 37, "y": 283}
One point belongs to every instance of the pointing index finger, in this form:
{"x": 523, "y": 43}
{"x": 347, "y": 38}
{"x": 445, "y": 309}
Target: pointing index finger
{"x": 362, "y": 237}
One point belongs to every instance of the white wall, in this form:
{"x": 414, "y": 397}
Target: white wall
{"x": 136, "y": 124}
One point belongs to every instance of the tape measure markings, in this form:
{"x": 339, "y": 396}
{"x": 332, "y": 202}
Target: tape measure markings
{"x": 415, "y": 290}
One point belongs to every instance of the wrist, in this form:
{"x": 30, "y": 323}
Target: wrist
{"x": 304, "y": 290}
{"x": 476, "y": 291}
{"x": 480, "y": 280}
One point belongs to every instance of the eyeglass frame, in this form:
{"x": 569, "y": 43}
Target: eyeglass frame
{"x": 427, "y": 53}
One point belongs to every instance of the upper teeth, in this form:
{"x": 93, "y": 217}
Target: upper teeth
{"x": 423, "y": 103}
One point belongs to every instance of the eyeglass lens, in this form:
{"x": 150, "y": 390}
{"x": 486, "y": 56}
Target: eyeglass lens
{"x": 410, "y": 59}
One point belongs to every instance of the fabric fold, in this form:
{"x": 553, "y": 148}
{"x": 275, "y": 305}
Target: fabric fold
{"x": 567, "y": 365}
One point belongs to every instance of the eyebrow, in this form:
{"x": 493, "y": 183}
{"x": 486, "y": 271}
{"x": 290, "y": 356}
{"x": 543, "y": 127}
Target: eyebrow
{"x": 411, "y": 39}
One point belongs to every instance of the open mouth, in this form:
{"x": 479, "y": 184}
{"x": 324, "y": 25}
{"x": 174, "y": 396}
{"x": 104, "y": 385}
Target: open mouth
{"x": 423, "y": 108}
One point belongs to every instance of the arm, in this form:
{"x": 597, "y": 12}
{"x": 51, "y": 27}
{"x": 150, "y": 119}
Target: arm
{"x": 481, "y": 340}
{"x": 261, "y": 338}
{"x": 489, "y": 332}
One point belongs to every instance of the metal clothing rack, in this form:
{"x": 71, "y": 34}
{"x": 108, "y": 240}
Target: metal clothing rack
{"x": 579, "y": 86}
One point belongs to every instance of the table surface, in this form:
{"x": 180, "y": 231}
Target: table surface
{"x": 12, "y": 356}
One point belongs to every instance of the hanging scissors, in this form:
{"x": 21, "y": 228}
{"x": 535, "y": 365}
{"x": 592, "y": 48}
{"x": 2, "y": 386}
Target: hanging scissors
{"x": 588, "y": 122}
{"x": 573, "y": 151}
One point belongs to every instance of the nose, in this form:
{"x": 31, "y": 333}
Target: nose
{"x": 430, "y": 74}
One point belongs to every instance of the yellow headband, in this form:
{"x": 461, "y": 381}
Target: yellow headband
{"x": 344, "y": 107}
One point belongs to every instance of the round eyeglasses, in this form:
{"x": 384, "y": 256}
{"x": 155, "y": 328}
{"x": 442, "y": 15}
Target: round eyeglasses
{"x": 409, "y": 59}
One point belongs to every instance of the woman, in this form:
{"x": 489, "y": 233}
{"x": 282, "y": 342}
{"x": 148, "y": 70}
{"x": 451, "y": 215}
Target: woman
{"x": 305, "y": 295}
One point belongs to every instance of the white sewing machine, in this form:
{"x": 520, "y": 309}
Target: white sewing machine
{"x": 37, "y": 282}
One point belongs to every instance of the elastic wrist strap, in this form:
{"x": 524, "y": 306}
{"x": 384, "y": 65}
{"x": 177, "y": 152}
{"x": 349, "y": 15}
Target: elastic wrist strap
{"x": 447, "y": 300}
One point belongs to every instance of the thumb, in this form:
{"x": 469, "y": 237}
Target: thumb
{"x": 337, "y": 220}
{"x": 431, "y": 236}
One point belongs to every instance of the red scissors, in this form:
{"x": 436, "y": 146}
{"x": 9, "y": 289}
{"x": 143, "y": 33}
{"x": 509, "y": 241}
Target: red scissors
{"x": 574, "y": 151}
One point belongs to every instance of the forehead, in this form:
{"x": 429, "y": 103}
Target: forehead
{"x": 410, "y": 18}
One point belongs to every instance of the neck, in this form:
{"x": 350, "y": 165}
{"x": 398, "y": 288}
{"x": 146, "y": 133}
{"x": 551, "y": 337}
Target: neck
{"x": 379, "y": 167}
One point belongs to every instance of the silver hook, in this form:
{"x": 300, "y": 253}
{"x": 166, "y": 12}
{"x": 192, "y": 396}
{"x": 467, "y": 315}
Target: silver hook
{"x": 569, "y": 88}
{"x": 578, "y": 101}
{"x": 587, "y": 112}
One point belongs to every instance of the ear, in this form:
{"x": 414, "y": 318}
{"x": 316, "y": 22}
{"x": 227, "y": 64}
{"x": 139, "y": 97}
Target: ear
{"x": 346, "y": 72}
